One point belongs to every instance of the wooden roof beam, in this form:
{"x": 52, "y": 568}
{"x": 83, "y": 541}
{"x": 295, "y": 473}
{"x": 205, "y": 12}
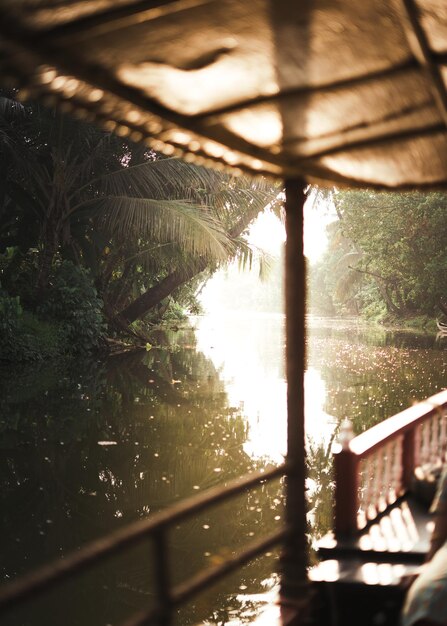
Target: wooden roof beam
{"x": 418, "y": 42}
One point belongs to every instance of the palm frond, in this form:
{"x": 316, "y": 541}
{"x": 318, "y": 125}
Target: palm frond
{"x": 346, "y": 284}
{"x": 179, "y": 222}
{"x": 156, "y": 179}
{"x": 265, "y": 265}
{"x": 11, "y": 110}
{"x": 347, "y": 259}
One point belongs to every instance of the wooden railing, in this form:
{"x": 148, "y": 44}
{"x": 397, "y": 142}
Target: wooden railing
{"x": 168, "y": 596}
{"x": 377, "y": 467}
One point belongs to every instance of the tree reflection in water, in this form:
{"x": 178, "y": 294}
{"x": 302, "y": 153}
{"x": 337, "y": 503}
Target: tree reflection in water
{"x": 166, "y": 430}
{"x": 88, "y": 447}
{"x": 367, "y": 373}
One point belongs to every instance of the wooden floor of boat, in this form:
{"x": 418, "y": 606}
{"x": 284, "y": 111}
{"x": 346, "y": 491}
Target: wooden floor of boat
{"x": 358, "y": 579}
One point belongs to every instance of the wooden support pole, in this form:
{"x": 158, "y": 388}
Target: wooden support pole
{"x": 162, "y": 578}
{"x": 294, "y": 580}
{"x": 346, "y": 467}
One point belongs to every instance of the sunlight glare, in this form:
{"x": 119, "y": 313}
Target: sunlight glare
{"x": 268, "y": 231}
{"x": 250, "y": 359}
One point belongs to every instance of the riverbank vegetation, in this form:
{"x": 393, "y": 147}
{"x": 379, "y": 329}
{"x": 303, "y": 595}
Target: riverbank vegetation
{"x": 386, "y": 258}
{"x": 101, "y": 236}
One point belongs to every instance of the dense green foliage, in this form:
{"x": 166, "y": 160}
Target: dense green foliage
{"x": 386, "y": 256}
{"x": 73, "y": 302}
{"x": 10, "y": 314}
{"x": 68, "y": 320}
{"x": 22, "y": 335}
{"x": 148, "y": 229}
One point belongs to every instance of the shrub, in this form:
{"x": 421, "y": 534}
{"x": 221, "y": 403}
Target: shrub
{"x": 19, "y": 275}
{"x": 10, "y": 314}
{"x": 23, "y": 337}
{"x": 37, "y": 339}
{"x": 72, "y": 301}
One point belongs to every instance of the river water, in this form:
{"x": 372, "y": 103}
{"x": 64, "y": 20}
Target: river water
{"x": 88, "y": 447}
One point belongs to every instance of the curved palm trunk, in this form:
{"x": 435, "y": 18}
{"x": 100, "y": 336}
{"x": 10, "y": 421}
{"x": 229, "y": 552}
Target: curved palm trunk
{"x": 153, "y": 296}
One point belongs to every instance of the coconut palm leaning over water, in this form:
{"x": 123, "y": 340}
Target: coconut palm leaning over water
{"x": 143, "y": 226}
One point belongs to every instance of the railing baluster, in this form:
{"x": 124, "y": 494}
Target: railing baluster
{"x": 408, "y": 460}
{"x": 162, "y": 577}
{"x": 425, "y": 451}
{"x": 434, "y": 439}
{"x": 417, "y": 445}
{"x": 400, "y": 467}
{"x": 371, "y": 510}
{"x": 443, "y": 436}
{"x": 363, "y": 492}
{"x": 390, "y": 493}
{"x": 382, "y": 486}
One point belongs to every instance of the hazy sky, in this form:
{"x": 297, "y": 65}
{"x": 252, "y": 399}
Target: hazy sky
{"x": 268, "y": 233}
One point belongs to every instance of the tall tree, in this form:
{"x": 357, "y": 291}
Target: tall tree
{"x": 399, "y": 244}
{"x": 144, "y": 225}
{"x": 236, "y": 202}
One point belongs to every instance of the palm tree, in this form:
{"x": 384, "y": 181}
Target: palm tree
{"x": 129, "y": 216}
{"x": 233, "y": 203}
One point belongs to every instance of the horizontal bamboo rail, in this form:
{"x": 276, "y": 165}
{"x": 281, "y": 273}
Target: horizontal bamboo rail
{"x": 390, "y": 453}
{"x": 168, "y": 598}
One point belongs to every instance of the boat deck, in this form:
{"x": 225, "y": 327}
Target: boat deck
{"x": 361, "y": 575}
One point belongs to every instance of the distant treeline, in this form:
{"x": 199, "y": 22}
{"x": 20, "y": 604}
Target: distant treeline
{"x": 386, "y": 256}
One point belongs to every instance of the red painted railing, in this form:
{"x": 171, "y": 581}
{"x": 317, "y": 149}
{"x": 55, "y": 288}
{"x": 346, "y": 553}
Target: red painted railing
{"x": 375, "y": 468}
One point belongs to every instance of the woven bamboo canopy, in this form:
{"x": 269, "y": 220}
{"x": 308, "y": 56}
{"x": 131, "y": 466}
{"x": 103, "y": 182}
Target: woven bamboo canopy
{"x": 341, "y": 92}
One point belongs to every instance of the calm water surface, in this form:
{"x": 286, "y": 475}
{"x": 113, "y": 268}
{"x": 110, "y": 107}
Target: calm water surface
{"x": 88, "y": 447}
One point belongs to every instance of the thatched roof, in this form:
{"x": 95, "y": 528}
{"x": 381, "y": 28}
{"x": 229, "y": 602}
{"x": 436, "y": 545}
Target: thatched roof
{"x": 335, "y": 91}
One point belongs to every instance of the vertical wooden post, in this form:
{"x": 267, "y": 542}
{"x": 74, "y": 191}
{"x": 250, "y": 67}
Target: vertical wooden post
{"x": 162, "y": 578}
{"x": 294, "y": 561}
{"x": 346, "y": 470}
